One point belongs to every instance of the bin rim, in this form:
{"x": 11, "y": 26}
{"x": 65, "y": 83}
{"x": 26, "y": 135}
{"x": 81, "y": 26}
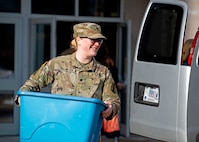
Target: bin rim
{"x": 59, "y": 96}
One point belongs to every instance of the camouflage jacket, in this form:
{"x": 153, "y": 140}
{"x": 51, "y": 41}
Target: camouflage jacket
{"x": 70, "y": 77}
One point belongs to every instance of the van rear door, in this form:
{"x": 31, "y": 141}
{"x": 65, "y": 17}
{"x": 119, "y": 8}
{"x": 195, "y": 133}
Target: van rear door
{"x": 156, "y": 71}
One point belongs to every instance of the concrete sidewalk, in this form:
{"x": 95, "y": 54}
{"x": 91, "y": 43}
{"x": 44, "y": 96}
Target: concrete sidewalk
{"x": 132, "y": 138}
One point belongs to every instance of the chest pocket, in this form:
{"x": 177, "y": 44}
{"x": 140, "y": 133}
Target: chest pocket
{"x": 89, "y": 85}
{"x": 64, "y": 82}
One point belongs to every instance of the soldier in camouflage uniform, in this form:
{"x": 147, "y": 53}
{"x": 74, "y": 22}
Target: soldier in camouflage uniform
{"x": 78, "y": 74}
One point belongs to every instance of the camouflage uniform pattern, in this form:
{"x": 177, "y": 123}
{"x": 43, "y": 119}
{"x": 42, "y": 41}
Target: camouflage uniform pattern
{"x": 70, "y": 77}
{"x": 89, "y": 30}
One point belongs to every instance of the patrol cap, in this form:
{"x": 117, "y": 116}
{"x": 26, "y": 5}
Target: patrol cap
{"x": 89, "y": 30}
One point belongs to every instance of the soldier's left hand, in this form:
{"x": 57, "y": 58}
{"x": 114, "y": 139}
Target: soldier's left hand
{"x": 108, "y": 111}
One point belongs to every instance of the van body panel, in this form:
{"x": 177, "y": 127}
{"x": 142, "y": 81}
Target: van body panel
{"x": 151, "y": 122}
{"x": 168, "y": 121}
{"x": 193, "y": 99}
{"x": 181, "y": 127}
{"x": 159, "y": 87}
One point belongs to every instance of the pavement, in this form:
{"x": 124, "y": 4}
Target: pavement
{"x": 132, "y": 138}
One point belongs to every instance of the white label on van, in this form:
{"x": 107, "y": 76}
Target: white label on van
{"x": 151, "y": 94}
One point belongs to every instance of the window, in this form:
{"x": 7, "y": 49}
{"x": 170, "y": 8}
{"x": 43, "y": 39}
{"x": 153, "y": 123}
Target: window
{"x": 42, "y": 44}
{"x": 58, "y": 7}
{"x": 99, "y": 8}
{"x": 7, "y": 42}
{"x": 159, "y": 39}
{"x": 64, "y": 36}
{"x": 10, "y": 6}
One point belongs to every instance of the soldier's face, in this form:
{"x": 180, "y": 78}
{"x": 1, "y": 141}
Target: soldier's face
{"x": 91, "y": 46}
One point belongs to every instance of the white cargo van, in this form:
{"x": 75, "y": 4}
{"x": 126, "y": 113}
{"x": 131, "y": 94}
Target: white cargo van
{"x": 164, "y": 93}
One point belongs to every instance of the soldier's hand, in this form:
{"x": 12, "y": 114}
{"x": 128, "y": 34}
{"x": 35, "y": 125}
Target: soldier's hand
{"x": 17, "y": 101}
{"x": 108, "y": 111}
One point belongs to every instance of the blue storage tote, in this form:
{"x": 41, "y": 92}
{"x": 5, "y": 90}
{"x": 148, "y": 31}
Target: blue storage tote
{"x": 57, "y": 118}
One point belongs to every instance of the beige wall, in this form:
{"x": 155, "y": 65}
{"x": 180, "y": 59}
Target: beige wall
{"x": 134, "y": 11}
{"x": 193, "y": 18}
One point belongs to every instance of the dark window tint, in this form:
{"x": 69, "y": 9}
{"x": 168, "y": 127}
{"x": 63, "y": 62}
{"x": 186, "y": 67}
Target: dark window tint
{"x": 100, "y": 8}
{"x": 58, "y": 7}
{"x": 10, "y": 6}
{"x": 42, "y": 44}
{"x": 7, "y": 40}
{"x": 64, "y": 36}
{"x": 160, "y": 35}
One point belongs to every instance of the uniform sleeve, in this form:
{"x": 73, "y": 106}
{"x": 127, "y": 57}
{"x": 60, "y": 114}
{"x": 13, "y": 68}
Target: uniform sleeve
{"x": 110, "y": 94}
{"x": 39, "y": 79}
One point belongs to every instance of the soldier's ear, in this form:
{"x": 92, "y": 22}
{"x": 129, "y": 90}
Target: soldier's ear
{"x": 78, "y": 39}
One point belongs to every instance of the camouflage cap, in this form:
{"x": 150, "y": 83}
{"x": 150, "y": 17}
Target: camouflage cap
{"x": 89, "y": 30}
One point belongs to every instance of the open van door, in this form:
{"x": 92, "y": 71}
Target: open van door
{"x": 193, "y": 96}
{"x": 160, "y": 83}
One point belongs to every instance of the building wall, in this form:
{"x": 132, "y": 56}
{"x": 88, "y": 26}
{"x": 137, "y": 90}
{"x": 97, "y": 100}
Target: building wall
{"x": 193, "y": 18}
{"x": 137, "y": 9}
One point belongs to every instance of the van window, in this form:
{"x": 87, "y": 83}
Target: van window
{"x": 160, "y": 36}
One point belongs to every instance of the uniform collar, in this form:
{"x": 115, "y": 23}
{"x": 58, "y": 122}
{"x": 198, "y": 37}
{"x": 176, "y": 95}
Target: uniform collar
{"x": 84, "y": 67}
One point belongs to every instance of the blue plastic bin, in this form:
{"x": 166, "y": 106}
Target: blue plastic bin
{"x": 56, "y": 118}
